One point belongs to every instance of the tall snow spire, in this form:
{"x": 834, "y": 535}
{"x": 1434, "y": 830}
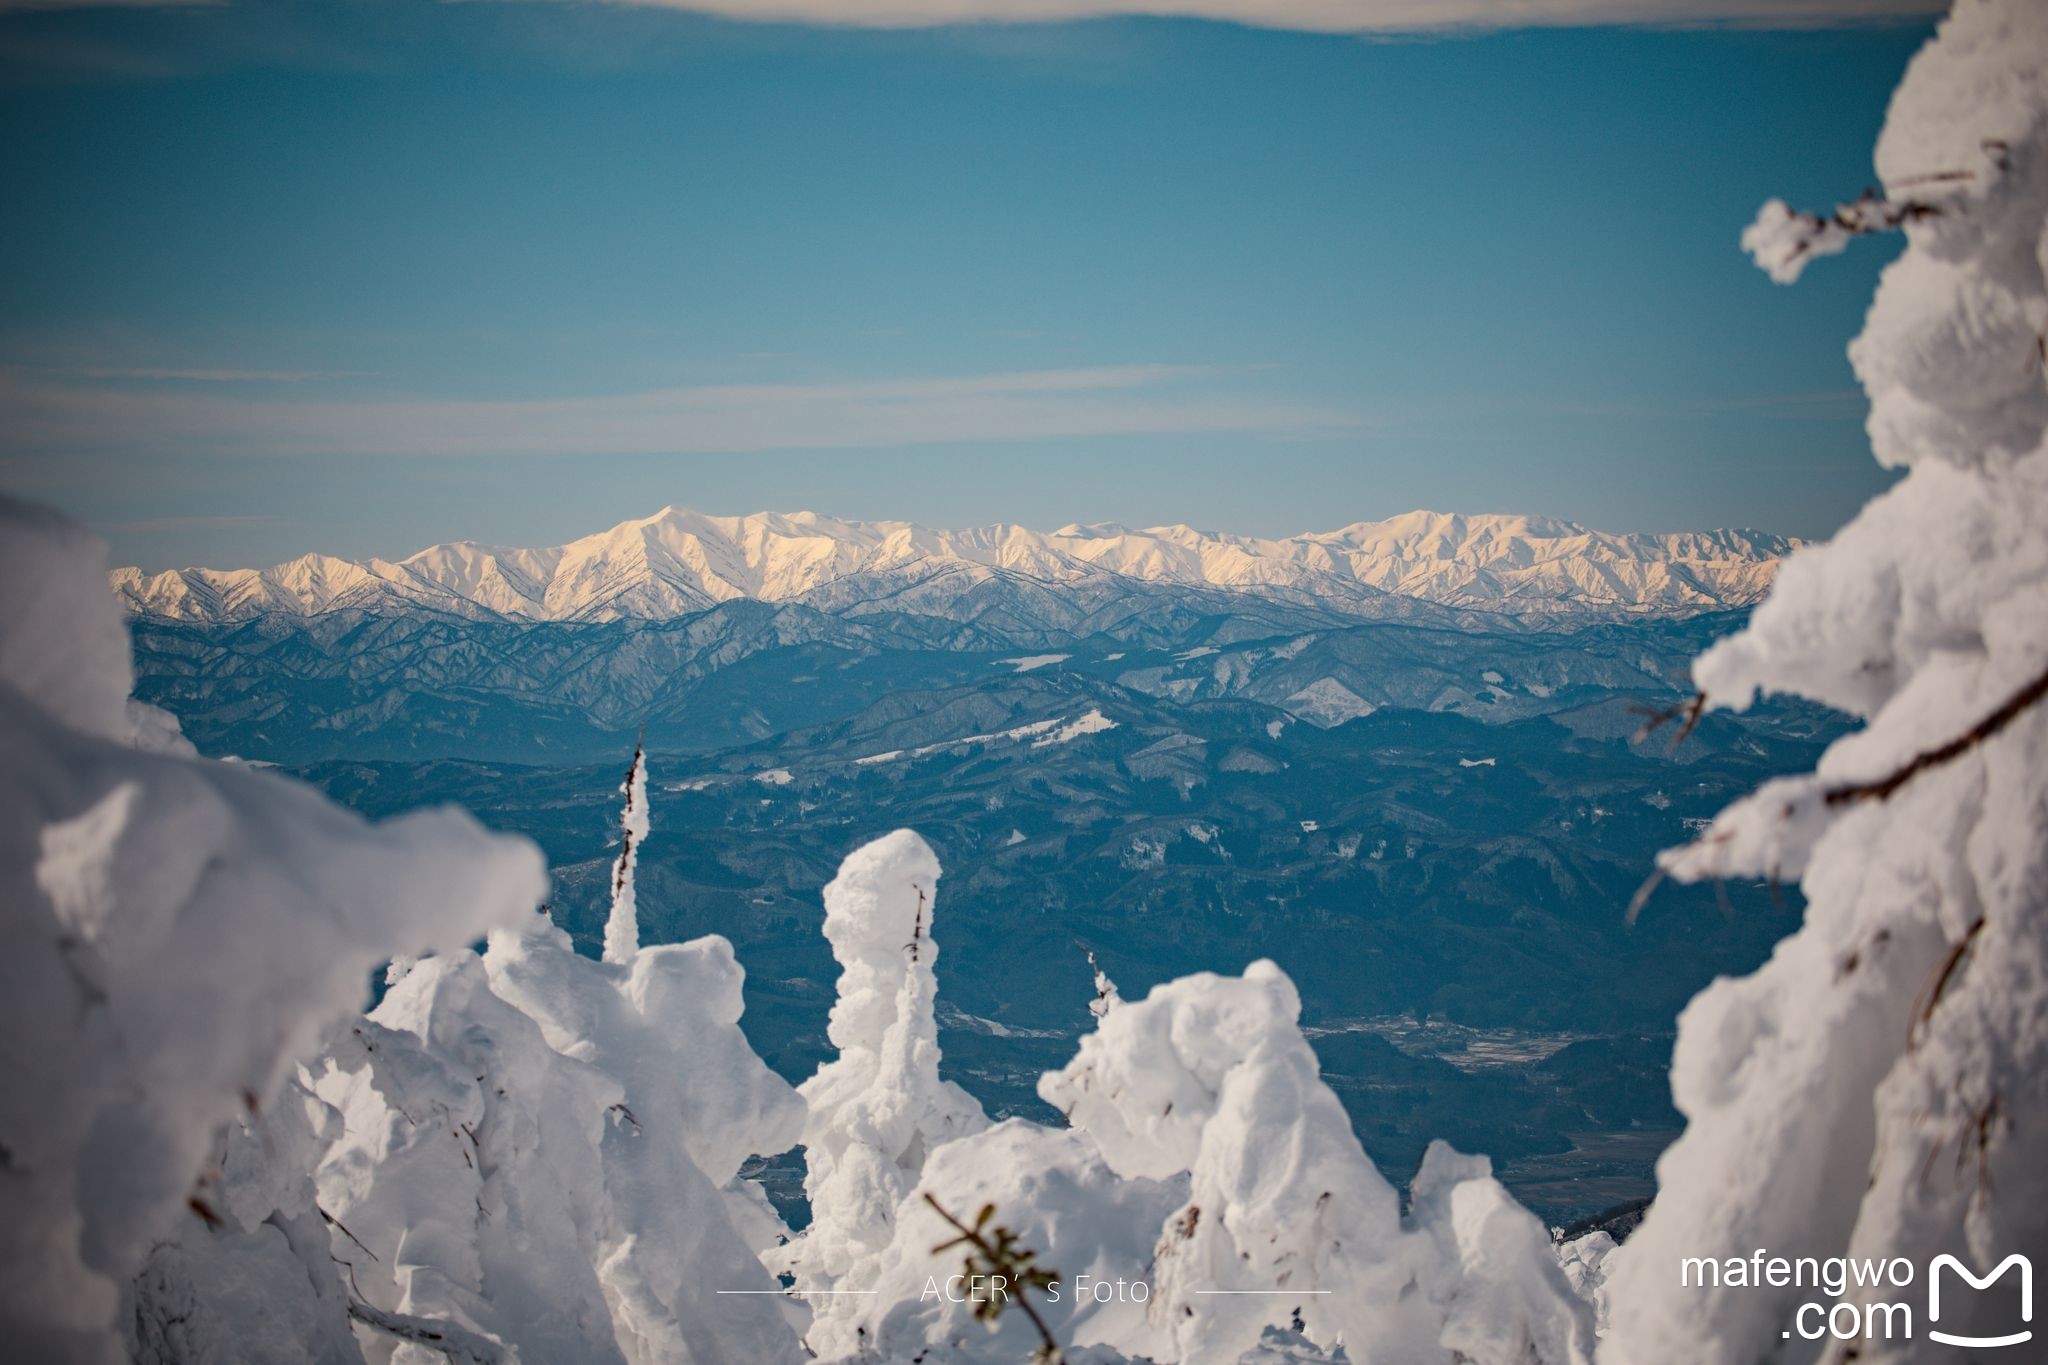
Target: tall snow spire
{"x": 622, "y": 930}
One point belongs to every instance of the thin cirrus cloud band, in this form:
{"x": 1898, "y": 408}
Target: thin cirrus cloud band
{"x": 56, "y": 418}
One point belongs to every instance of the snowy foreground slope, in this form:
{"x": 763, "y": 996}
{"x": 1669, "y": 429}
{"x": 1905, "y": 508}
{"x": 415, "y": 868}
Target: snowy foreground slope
{"x": 677, "y": 562}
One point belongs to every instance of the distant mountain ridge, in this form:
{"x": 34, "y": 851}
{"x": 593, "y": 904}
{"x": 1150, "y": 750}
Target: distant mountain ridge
{"x": 677, "y": 563}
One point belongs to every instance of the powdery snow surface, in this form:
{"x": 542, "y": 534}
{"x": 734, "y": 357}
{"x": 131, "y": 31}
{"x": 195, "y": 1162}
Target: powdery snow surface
{"x": 1880, "y": 1087}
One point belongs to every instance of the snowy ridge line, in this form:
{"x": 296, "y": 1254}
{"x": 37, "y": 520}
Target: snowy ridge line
{"x": 680, "y": 562}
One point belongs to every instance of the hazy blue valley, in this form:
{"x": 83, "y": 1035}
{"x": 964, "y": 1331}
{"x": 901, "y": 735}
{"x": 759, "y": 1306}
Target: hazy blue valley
{"x": 1434, "y": 828}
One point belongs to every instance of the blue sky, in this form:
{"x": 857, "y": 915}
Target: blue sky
{"x": 360, "y": 278}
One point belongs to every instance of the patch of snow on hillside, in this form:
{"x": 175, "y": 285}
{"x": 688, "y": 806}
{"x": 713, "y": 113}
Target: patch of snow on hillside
{"x": 1094, "y": 723}
{"x": 775, "y": 777}
{"x": 1031, "y": 661}
{"x": 1477, "y": 762}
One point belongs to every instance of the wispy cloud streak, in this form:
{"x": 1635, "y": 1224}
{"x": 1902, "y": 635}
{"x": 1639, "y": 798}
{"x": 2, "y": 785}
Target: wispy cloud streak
{"x": 47, "y": 418}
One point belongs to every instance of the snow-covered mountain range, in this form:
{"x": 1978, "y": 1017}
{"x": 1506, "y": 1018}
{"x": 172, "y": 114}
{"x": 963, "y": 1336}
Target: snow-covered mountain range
{"x": 678, "y": 562}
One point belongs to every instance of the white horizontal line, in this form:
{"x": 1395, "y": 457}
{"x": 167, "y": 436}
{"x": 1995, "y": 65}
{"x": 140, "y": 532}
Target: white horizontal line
{"x": 1262, "y": 1291}
{"x": 804, "y": 1292}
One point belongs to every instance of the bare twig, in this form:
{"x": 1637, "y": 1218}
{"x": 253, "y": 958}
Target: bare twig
{"x": 917, "y": 930}
{"x": 1690, "y": 710}
{"x": 993, "y": 1251}
{"x": 1881, "y": 788}
{"x": 334, "y": 1222}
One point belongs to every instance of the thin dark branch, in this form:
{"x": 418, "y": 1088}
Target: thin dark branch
{"x": 1923, "y": 1008}
{"x": 1690, "y": 710}
{"x": 334, "y": 1222}
{"x": 1881, "y": 788}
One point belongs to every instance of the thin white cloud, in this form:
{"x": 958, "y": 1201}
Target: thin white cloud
{"x": 201, "y": 376}
{"x": 46, "y": 418}
{"x": 1321, "y": 16}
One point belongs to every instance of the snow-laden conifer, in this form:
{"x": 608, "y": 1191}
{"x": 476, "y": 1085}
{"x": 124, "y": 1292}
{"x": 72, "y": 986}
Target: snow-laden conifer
{"x": 1878, "y": 1089}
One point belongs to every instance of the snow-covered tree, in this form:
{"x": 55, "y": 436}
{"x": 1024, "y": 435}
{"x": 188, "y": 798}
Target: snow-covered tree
{"x": 1880, "y": 1086}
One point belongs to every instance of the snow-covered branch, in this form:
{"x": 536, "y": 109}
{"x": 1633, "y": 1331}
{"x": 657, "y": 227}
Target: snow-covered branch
{"x": 461, "y": 1347}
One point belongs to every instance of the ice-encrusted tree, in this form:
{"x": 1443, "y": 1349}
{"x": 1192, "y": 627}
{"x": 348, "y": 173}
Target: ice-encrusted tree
{"x": 1880, "y": 1087}
{"x": 1209, "y": 1078}
{"x": 878, "y": 1109}
{"x": 622, "y": 927}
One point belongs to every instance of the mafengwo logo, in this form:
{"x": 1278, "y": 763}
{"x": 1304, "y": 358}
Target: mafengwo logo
{"x": 2012, "y": 1262}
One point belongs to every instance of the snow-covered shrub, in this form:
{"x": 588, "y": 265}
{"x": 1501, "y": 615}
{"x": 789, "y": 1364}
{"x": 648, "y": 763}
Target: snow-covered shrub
{"x": 1880, "y": 1086}
{"x": 175, "y": 935}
